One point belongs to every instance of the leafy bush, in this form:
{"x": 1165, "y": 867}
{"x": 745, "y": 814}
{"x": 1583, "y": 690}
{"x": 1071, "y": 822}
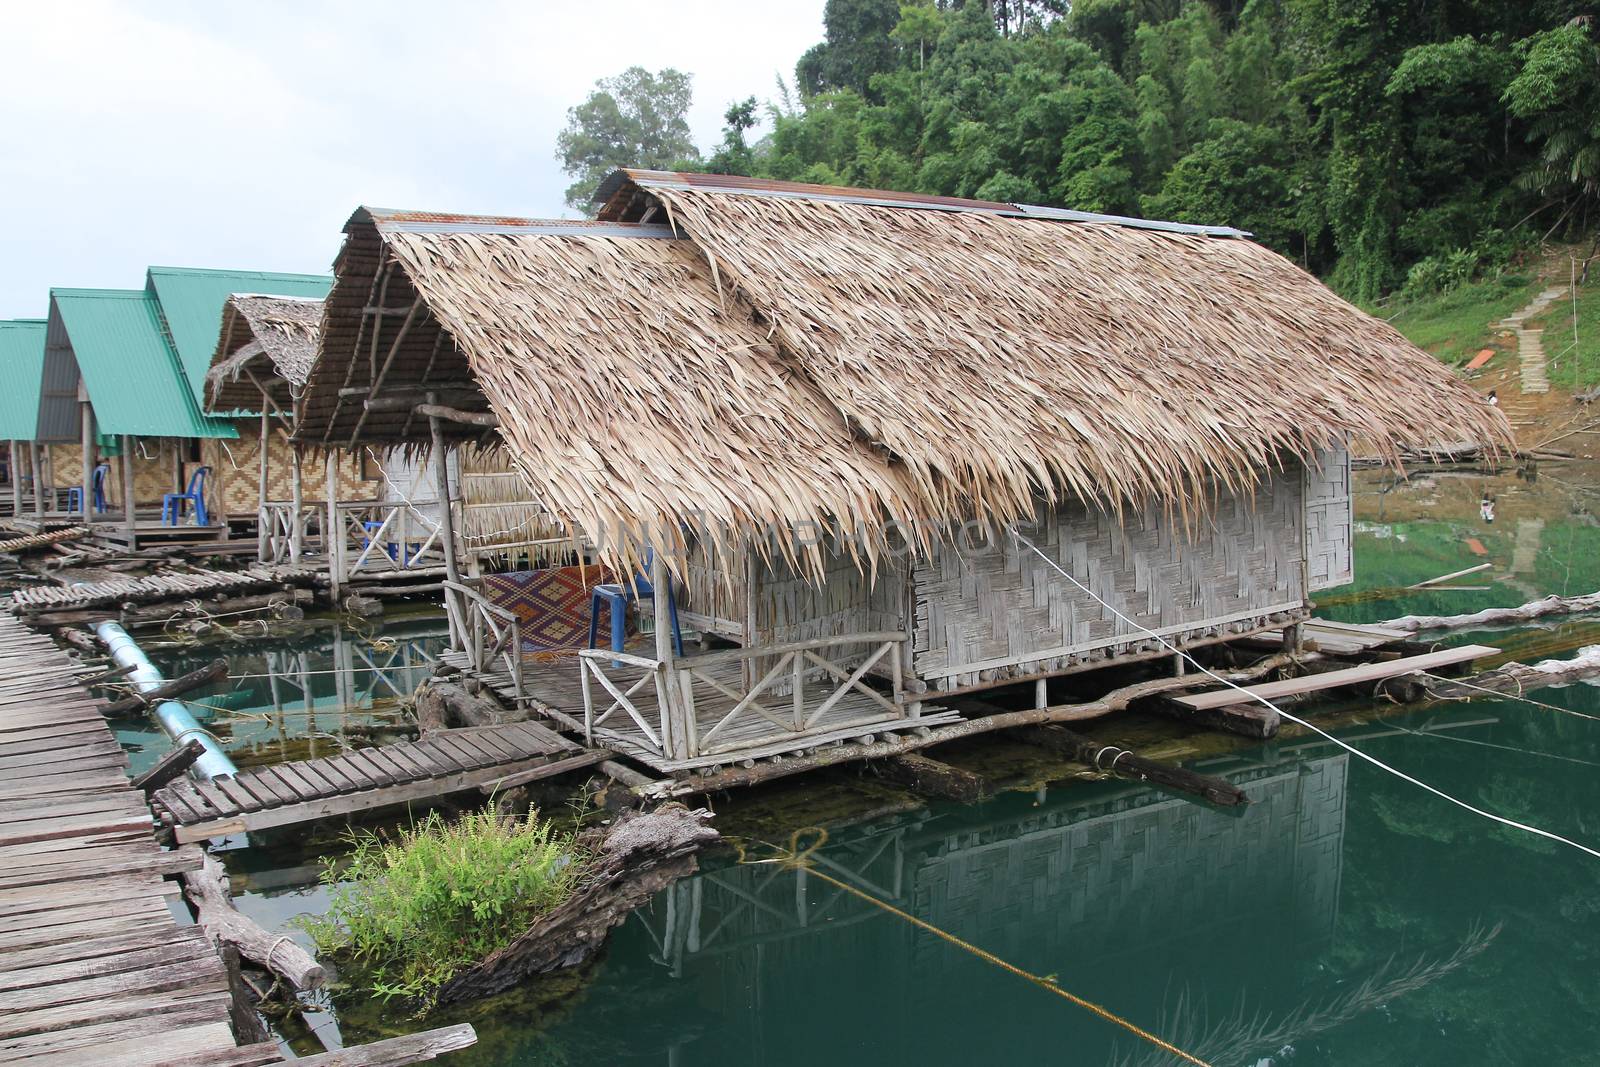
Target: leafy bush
{"x": 417, "y": 909}
{"x": 1441, "y": 273}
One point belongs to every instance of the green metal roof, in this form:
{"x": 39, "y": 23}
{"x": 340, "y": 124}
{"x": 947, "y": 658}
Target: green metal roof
{"x": 191, "y": 300}
{"x": 21, "y": 368}
{"x": 134, "y": 380}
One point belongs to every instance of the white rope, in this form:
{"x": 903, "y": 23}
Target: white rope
{"x": 1517, "y": 696}
{"x": 1502, "y": 820}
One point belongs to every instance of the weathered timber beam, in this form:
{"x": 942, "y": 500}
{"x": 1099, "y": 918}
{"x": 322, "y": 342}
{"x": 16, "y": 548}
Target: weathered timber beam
{"x": 208, "y": 890}
{"x": 402, "y": 399}
{"x": 1246, "y": 719}
{"x": 169, "y": 767}
{"x": 929, "y": 777}
{"x": 216, "y": 670}
{"x": 1118, "y": 760}
{"x": 1512, "y": 679}
{"x": 397, "y": 1051}
{"x": 449, "y": 414}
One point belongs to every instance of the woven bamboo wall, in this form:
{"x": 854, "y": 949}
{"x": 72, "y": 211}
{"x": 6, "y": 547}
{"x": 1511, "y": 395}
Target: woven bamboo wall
{"x": 1329, "y": 560}
{"x": 236, "y": 472}
{"x": 1005, "y": 613}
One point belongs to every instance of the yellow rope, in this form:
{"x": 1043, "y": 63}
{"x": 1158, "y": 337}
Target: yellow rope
{"x": 797, "y": 858}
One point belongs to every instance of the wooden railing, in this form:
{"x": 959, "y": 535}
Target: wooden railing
{"x": 284, "y": 536}
{"x": 785, "y": 692}
{"x": 386, "y": 536}
{"x": 490, "y": 635}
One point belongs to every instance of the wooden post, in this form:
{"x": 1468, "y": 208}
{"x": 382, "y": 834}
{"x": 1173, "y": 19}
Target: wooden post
{"x": 16, "y": 479}
{"x": 87, "y": 421}
{"x": 296, "y": 493}
{"x": 130, "y": 521}
{"x": 263, "y": 519}
{"x": 38, "y": 478}
{"x": 441, "y": 468}
{"x": 177, "y": 464}
{"x": 332, "y": 534}
{"x": 676, "y": 705}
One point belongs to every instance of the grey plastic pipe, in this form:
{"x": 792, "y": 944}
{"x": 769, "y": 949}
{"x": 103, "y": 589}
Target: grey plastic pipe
{"x": 173, "y": 715}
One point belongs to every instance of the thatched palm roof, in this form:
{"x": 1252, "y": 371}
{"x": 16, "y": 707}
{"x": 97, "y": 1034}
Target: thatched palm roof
{"x": 266, "y": 341}
{"x": 780, "y": 354}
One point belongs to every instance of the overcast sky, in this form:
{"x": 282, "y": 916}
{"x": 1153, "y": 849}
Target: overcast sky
{"x": 204, "y": 134}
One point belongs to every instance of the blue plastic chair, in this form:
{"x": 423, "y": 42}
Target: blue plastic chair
{"x": 195, "y": 495}
{"x": 616, "y": 597}
{"x": 98, "y": 483}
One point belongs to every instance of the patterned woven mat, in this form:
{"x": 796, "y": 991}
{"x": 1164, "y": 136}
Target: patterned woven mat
{"x": 552, "y": 605}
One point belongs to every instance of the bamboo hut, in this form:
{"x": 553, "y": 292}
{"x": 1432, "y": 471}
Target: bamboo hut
{"x": 111, "y": 382}
{"x": 21, "y": 362}
{"x": 823, "y": 406}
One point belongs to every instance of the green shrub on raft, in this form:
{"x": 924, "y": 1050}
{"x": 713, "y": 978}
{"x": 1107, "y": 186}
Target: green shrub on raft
{"x": 416, "y": 909}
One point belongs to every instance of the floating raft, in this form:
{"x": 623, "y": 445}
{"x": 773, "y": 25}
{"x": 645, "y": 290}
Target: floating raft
{"x": 1339, "y": 638}
{"x": 39, "y": 540}
{"x": 446, "y": 761}
{"x": 93, "y": 968}
{"x": 154, "y": 587}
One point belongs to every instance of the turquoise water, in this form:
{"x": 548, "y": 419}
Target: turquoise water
{"x": 1344, "y": 917}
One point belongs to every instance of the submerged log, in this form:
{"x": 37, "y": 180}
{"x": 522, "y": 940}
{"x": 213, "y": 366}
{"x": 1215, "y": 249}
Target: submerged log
{"x": 1512, "y": 679}
{"x": 1106, "y": 757}
{"x": 1246, "y": 719}
{"x": 1532, "y": 611}
{"x": 641, "y": 854}
{"x": 931, "y": 778}
{"x": 207, "y": 890}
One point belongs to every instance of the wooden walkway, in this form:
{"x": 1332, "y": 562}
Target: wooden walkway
{"x": 156, "y": 587}
{"x": 94, "y": 968}
{"x": 446, "y": 761}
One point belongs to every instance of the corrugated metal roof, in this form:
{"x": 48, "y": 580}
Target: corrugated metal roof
{"x": 190, "y": 304}
{"x": 21, "y": 368}
{"x": 732, "y": 183}
{"x": 114, "y": 339}
{"x": 390, "y": 220}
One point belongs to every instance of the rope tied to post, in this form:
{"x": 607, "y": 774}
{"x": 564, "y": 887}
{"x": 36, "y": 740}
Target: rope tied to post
{"x": 805, "y": 842}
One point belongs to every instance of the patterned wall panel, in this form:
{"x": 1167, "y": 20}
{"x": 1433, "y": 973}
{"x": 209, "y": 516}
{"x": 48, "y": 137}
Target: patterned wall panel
{"x": 1002, "y": 611}
{"x": 1329, "y": 560}
{"x": 236, "y": 472}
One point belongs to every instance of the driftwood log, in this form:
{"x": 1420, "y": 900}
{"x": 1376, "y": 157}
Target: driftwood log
{"x": 1532, "y": 611}
{"x": 169, "y": 767}
{"x": 1108, "y": 757}
{"x": 1513, "y": 679}
{"x": 443, "y": 705}
{"x": 641, "y": 854}
{"x": 207, "y": 889}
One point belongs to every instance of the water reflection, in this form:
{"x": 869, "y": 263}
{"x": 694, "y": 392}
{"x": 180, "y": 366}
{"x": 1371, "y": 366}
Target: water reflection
{"x": 298, "y": 697}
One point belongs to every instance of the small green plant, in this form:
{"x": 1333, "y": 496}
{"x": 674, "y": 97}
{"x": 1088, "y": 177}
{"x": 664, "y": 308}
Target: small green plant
{"x": 415, "y": 909}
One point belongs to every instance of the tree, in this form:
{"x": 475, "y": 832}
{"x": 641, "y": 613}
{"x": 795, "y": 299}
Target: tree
{"x": 734, "y": 155}
{"x": 1557, "y": 92}
{"x": 636, "y": 119}
{"x": 857, "y": 47}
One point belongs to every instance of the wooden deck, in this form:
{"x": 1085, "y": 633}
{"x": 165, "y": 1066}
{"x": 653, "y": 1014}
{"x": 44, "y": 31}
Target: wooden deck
{"x": 1358, "y": 675}
{"x": 1339, "y": 638}
{"x": 157, "y": 587}
{"x": 94, "y": 968}
{"x": 446, "y": 761}
{"x": 555, "y": 690}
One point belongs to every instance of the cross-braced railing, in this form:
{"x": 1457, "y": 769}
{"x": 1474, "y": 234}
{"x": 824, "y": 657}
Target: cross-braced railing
{"x": 285, "y": 535}
{"x": 490, "y": 635}
{"x": 795, "y": 687}
{"x": 387, "y": 537}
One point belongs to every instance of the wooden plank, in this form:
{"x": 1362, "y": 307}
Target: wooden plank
{"x": 346, "y": 803}
{"x": 398, "y": 1051}
{"x": 1364, "y": 673}
{"x": 547, "y": 770}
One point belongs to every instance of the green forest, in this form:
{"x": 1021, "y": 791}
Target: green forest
{"x": 1383, "y": 144}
